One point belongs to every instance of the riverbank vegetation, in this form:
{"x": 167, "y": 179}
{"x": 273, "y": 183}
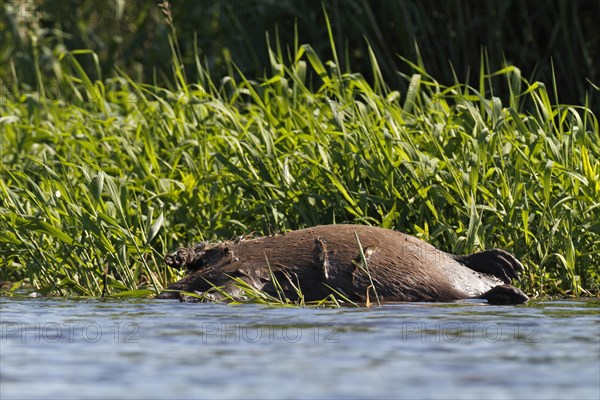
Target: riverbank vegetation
{"x": 101, "y": 176}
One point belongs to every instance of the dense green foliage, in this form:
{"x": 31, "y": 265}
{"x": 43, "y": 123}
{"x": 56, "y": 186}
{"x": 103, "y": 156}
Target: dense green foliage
{"x": 130, "y": 35}
{"x": 99, "y": 178}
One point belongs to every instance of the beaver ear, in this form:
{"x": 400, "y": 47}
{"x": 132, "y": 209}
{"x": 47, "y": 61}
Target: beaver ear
{"x": 496, "y": 262}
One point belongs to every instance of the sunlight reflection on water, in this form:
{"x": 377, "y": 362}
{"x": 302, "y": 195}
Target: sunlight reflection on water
{"x": 166, "y": 349}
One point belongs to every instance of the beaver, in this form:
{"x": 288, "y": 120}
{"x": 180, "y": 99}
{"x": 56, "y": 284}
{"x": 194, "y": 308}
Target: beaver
{"x": 355, "y": 262}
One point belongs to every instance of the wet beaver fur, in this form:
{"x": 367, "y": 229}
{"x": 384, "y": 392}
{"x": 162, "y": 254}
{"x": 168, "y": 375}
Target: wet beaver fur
{"x": 327, "y": 258}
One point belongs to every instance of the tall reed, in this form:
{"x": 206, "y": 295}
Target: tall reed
{"x": 102, "y": 176}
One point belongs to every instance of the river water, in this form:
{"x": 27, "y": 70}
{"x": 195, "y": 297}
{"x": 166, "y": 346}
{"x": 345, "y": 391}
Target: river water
{"x": 151, "y": 349}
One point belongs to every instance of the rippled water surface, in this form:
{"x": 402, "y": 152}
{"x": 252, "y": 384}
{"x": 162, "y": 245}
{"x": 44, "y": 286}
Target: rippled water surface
{"x": 166, "y": 349}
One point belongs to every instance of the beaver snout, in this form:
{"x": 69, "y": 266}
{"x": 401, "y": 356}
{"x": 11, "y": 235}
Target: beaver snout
{"x": 176, "y": 259}
{"x": 190, "y": 258}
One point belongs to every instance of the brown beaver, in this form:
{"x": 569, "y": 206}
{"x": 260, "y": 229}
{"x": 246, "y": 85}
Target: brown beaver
{"x": 327, "y": 259}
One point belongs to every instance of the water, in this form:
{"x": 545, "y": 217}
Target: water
{"x": 166, "y": 349}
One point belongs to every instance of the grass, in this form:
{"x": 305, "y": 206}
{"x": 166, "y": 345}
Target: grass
{"x": 250, "y": 294}
{"x": 100, "y": 178}
{"x": 133, "y": 37}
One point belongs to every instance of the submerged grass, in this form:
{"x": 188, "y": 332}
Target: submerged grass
{"x": 100, "y": 178}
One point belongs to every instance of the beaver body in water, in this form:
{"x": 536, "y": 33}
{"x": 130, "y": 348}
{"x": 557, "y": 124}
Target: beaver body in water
{"x": 327, "y": 259}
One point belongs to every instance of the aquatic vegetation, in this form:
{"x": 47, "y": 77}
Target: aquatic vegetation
{"x": 100, "y": 178}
